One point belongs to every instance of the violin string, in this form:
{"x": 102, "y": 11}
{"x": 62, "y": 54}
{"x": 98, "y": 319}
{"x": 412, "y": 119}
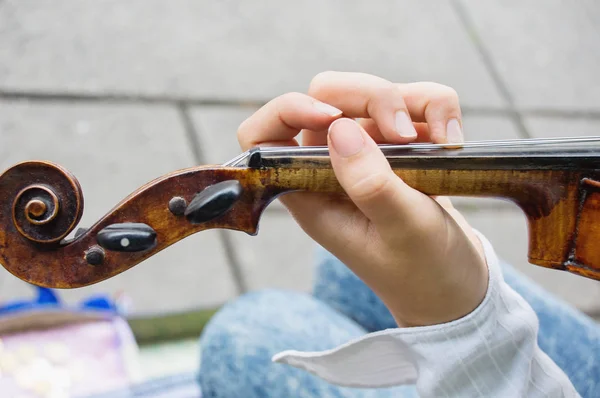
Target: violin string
{"x": 390, "y": 148}
{"x": 234, "y": 162}
{"x": 468, "y": 144}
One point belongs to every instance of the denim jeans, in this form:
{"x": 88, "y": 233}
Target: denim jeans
{"x": 238, "y": 343}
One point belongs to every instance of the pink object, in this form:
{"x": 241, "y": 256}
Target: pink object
{"x": 57, "y": 354}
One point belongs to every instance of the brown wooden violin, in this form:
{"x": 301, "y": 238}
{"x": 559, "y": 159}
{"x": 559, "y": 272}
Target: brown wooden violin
{"x": 556, "y": 182}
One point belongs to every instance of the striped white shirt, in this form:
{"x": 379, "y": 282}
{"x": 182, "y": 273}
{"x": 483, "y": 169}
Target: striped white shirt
{"x": 492, "y": 352}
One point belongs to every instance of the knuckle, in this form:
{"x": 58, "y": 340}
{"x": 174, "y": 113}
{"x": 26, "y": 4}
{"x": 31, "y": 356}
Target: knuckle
{"x": 319, "y": 82}
{"x": 438, "y": 91}
{"x": 371, "y": 187}
{"x": 441, "y": 103}
{"x": 382, "y": 96}
{"x": 242, "y": 134}
{"x": 386, "y": 92}
{"x": 288, "y": 99}
{"x": 445, "y": 95}
{"x": 288, "y": 102}
{"x": 392, "y": 93}
{"x": 450, "y": 94}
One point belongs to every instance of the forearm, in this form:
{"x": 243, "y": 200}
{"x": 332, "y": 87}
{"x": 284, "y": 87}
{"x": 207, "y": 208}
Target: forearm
{"x": 493, "y": 351}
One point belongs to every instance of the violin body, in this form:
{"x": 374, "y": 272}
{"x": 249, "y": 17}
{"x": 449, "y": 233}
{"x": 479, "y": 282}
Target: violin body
{"x": 41, "y": 204}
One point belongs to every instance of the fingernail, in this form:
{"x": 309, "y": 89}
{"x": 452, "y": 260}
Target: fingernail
{"x": 404, "y": 126}
{"x": 346, "y": 137}
{"x": 453, "y": 132}
{"x": 327, "y": 109}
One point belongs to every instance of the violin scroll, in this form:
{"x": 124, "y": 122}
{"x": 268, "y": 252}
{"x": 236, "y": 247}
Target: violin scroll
{"x": 47, "y": 204}
{"x": 42, "y": 203}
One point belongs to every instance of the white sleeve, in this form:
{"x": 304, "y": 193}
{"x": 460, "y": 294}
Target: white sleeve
{"x": 491, "y": 352}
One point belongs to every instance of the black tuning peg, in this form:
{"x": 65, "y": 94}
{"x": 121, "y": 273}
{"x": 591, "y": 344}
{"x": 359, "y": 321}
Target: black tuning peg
{"x": 127, "y": 237}
{"x": 213, "y": 201}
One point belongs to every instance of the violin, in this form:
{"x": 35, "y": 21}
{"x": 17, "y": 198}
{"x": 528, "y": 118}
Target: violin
{"x": 556, "y": 183}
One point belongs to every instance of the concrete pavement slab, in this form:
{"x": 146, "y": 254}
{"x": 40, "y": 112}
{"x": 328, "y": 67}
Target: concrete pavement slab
{"x": 485, "y": 127}
{"x": 547, "y": 52}
{"x": 232, "y": 50}
{"x": 281, "y": 255}
{"x": 217, "y": 127}
{"x": 113, "y": 149}
{"x": 542, "y": 127}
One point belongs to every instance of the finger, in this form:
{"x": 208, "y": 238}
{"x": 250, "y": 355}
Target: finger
{"x": 370, "y": 126}
{"x": 372, "y": 129}
{"x": 280, "y": 120}
{"x": 277, "y": 123}
{"x": 367, "y": 96}
{"x": 357, "y": 94}
{"x": 439, "y": 106}
{"x": 314, "y": 138}
{"x": 318, "y": 138}
{"x": 367, "y": 178}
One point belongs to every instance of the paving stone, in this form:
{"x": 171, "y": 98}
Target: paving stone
{"x": 217, "y": 127}
{"x": 280, "y": 256}
{"x": 113, "y": 150}
{"x": 548, "y": 52}
{"x": 507, "y": 231}
{"x": 548, "y": 127}
{"x": 484, "y": 127}
{"x": 232, "y": 50}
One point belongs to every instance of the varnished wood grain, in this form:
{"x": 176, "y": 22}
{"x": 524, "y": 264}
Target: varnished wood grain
{"x": 561, "y": 212}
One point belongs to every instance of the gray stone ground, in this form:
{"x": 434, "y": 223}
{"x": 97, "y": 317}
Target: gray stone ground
{"x": 122, "y": 91}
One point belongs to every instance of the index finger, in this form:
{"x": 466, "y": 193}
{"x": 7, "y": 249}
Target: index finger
{"x": 281, "y": 119}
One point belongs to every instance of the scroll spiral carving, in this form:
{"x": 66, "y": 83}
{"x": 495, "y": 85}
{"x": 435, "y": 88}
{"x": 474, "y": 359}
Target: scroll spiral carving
{"x": 47, "y": 201}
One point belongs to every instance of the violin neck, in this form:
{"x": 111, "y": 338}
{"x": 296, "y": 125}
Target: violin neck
{"x": 580, "y": 156}
{"x": 508, "y": 173}
{"x": 559, "y": 192}
{"x": 522, "y": 179}
{"x": 512, "y": 169}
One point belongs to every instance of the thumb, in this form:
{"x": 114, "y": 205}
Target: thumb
{"x": 366, "y": 176}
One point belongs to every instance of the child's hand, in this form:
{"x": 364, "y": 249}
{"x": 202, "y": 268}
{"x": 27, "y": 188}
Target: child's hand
{"x": 418, "y": 254}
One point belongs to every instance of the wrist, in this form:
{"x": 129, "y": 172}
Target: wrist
{"x": 449, "y": 296}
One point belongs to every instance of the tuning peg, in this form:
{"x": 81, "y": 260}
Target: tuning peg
{"x": 127, "y": 237}
{"x": 213, "y": 201}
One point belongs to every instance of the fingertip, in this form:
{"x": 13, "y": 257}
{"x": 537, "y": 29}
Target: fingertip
{"x": 454, "y": 134}
{"x": 327, "y": 109}
{"x": 344, "y": 122}
{"x": 346, "y": 137}
{"x": 404, "y": 126}
{"x": 445, "y": 131}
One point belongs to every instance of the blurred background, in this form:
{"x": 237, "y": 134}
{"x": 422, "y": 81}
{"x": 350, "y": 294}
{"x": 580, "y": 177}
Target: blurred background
{"x": 123, "y": 91}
